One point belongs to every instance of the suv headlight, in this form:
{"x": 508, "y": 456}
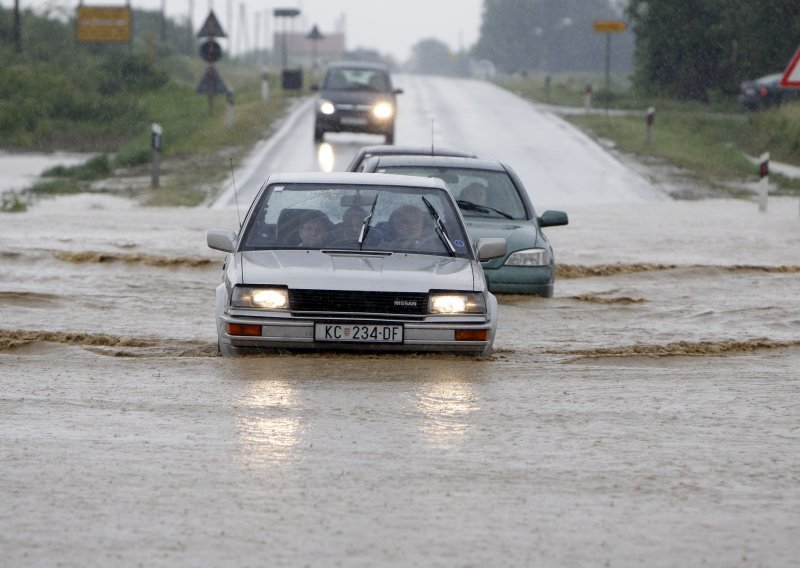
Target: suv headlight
{"x": 383, "y": 110}
{"x": 529, "y": 257}
{"x": 456, "y": 303}
{"x": 264, "y": 298}
{"x": 326, "y": 107}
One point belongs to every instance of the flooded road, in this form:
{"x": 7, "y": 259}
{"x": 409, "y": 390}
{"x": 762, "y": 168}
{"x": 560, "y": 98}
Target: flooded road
{"x": 647, "y": 414}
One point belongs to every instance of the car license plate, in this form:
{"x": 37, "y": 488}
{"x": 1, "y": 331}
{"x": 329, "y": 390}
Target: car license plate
{"x": 358, "y": 333}
{"x": 353, "y": 120}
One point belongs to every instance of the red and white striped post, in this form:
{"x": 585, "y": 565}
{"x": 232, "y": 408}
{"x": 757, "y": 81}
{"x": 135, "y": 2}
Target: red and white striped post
{"x": 763, "y": 188}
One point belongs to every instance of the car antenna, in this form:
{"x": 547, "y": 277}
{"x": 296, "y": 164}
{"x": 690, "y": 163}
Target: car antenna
{"x": 235, "y": 195}
{"x": 432, "y": 137}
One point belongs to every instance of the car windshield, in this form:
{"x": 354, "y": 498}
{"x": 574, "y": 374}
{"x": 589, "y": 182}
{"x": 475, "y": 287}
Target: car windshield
{"x": 356, "y": 218}
{"x": 355, "y": 79}
{"x": 480, "y": 193}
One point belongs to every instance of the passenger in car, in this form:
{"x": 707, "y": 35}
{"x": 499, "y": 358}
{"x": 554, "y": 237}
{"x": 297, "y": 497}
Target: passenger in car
{"x": 410, "y": 230}
{"x": 475, "y": 193}
{"x": 352, "y": 221}
{"x": 346, "y": 233}
{"x": 315, "y": 230}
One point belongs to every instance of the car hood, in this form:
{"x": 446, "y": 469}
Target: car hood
{"x": 519, "y": 234}
{"x": 355, "y": 97}
{"x": 337, "y": 271}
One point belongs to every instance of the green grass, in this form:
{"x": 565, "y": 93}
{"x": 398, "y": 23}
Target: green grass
{"x": 709, "y": 140}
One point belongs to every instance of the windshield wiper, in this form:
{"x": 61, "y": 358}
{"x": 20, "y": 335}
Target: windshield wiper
{"x": 478, "y": 207}
{"x": 365, "y": 227}
{"x": 440, "y": 228}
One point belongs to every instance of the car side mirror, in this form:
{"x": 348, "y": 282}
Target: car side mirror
{"x": 553, "y": 219}
{"x": 489, "y": 248}
{"x": 220, "y": 239}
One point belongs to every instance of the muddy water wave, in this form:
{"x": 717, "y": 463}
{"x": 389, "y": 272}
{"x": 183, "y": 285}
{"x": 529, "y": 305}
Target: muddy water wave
{"x": 570, "y": 271}
{"x": 132, "y": 258}
{"x": 26, "y": 298}
{"x": 681, "y": 348}
{"x": 117, "y": 346}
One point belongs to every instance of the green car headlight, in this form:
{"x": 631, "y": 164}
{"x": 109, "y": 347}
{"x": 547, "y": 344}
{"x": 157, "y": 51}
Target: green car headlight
{"x": 529, "y": 257}
{"x": 266, "y": 298}
{"x": 456, "y": 303}
{"x": 383, "y": 110}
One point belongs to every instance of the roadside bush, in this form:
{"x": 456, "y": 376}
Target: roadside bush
{"x": 132, "y": 73}
{"x": 95, "y": 168}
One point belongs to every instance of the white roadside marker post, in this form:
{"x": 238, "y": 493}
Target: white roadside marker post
{"x": 229, "y": 114}
{"x": 763, "y": 189}
{"x": 155, "y": 143}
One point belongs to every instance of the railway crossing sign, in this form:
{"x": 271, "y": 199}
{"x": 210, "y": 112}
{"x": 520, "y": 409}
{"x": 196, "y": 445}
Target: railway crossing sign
{"x": 791, "y": 77}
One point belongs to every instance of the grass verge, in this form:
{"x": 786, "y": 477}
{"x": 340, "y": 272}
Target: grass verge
{"x": 198, "y": 143}
{"x": 707, "y": 140}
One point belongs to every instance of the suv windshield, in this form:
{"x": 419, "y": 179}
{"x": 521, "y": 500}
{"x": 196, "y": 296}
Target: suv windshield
{"x": 356, "y": 79}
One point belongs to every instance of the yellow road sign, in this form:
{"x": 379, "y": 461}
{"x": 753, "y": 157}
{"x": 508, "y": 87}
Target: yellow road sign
{"x": 609, "y": 26}
{"x": 104, "y": 24}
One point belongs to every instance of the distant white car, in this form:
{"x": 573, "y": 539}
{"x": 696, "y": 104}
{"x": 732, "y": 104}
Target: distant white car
{"x": 354, "y": 261}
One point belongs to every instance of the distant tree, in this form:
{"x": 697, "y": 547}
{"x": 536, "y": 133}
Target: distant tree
{"x": 433, "y": 57}
{"x": 549, "y": 36}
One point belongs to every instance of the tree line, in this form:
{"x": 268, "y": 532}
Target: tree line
{"x": 686, "y": 49}
{"x": 691, "y": 48}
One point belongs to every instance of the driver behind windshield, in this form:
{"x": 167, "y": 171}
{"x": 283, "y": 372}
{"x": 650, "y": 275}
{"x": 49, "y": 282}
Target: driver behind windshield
{"x": 475, "y": 193}
{"x": 411, "y": 229}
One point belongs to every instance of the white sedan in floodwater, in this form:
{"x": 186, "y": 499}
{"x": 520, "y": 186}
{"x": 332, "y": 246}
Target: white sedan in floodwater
{"x": 354, "y": 261}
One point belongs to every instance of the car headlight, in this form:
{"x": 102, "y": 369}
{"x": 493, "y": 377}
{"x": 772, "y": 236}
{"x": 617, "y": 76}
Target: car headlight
{"x": 456, "y": 303}
{"x": 383, "y": 110}
{"x": 326, "y": 107}
{"x": 529, "y": 257}
{"x": 267, "y": 298}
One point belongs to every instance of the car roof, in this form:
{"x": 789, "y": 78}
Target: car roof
{"x": 359, "y": 65}
{"x": 441, "y": 162}
{"x": 352, "y": 178}
{"x": 391, "y": 149}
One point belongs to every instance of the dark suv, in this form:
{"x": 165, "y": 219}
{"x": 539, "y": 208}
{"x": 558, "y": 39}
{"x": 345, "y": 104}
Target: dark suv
{"x": 356, "y": 97}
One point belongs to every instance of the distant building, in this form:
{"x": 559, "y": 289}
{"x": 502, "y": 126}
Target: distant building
{"x": 301, "y": 51}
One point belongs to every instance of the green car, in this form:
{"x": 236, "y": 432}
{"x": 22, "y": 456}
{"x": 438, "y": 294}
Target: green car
{"x": 494, "y": 203}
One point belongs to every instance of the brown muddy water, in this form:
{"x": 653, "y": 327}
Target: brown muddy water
{"x": 645, "y": 415}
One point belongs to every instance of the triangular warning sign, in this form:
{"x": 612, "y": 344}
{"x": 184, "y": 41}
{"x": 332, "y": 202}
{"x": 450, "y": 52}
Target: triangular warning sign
{"x": 791, "y": 77}
{"x": 211, "y": 83}
{"x": 211, "y": 28}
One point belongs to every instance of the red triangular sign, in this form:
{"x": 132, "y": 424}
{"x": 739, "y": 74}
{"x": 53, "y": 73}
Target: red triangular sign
{"x": 791, "y": 77}
{"x": 211, "y": 28}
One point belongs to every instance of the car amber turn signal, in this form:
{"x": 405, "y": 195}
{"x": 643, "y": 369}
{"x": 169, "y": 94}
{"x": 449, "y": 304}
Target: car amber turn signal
{"x": 243, "y": 329}
{"x": 472, "y": 334}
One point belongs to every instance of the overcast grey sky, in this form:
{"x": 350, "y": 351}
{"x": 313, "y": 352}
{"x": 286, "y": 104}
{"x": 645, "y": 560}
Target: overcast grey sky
{"x": 390, "y": 26}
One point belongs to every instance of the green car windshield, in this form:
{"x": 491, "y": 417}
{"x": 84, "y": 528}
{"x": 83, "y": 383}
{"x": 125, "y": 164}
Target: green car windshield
{"x": 480, "y": 193}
